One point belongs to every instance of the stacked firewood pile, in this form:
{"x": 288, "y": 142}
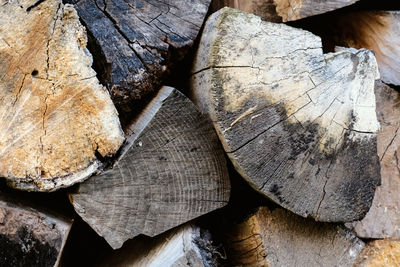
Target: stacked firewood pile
{"x": 199, "y": 133}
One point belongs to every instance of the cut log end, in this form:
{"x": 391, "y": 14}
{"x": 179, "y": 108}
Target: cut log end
{"x": 299, "y": 125}
{"x": 54, "y": 115}
{"x": 171, "y": 171}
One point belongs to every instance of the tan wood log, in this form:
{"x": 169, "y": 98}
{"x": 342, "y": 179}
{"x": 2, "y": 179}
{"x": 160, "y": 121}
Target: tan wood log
{"x": 383, "y": 219}
{"x": 136, "y": 43}
{"x": 187, "y": 245}
{"x": 171, "y": 171}
{"x": 28, "y": 236}
{"x": 280, "y": 238}
{"x": 380, "y": 253}
{"x": 299, "y": 125}
{"x": 375, "y": 30}
{"x": 54, "y": 115}
{"x": 283, "y": 10}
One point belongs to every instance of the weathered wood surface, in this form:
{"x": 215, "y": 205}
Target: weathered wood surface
{"x": 380, "y": 253}
{"x": 376, "y": 30}
{"x": 135, "y": 41}
{"x": 187, "y": 245}
{"x": 266, "y": 9}
{"x": 383, "y": 219}
{"x": 172, "y": 170}
{"x": 54, "y": 114}
{"x": 283, "y": 10}
{"x": 280, "y": 238}
{"x": 29, "y": 237}
{"x": 291, "y": 10}
{"x": 298, "y": 125}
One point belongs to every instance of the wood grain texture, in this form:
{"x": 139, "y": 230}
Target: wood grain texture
{"x": 291, "y": 10}
{"x": 30, "y": 237}
{"x": 280, "y": 238}
{"x": 383, "y": 219}
{"x": 265, "y": 9}
{"x": 54, "y": 114}
{"x": 380, "y": 253}
{"x": 135, "y": 40}
{"x": 172, "y": 170}
{"x": 187, "y": 245}
{"x": 298, "y": 125}
{"x": 375, "y": 30}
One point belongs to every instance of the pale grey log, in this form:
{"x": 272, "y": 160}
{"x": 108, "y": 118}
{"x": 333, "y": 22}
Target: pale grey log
{"x": 383, "y": 219}
{"x": 298, "y": 125}
{"x": 281, "y": 238}
{"x": 171, "y": 171}
{"x": 187, "y": 245}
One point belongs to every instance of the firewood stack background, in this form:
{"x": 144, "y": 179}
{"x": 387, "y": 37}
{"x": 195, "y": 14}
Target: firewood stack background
{"x": 199, "y": 133}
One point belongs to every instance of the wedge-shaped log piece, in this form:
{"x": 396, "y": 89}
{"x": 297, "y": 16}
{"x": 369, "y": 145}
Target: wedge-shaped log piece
{"x": 171, "y": 171}
{"x": 291, "y": 10}
{"x": 280, "y": 238}
{"x": 188, "y": 245}
{"x": 54, "y": 114}
{"x": 380, "y": 253}
{"x": 298, "y": 125}
{"x": 376, "y": 30}
{"x": 29, "y": 237}
{"x": 383, "y": 219}
{"x": 135, "y": 40}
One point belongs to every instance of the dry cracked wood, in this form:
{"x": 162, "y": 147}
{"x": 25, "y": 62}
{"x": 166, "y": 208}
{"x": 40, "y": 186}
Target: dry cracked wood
{"x": 291, "y": 10}
{"x": 298, "y": 125}
{"x": 29, "y": 237}
{"x": 172, "y": 170}
{"x": 383, "y": 219}
{"x": 135, "y": 40}
{"x": 266, "y": 9}
{"x": 283, "y": 10}
{"x": 376, "y": 30}
{"x": 380, "y": 253}
{"x": 187, "y": 245}
{"x": 280, "y": 238}
{"x": 54, "y": 114}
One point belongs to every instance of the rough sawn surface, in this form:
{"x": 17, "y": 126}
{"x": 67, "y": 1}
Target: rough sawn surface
{"x": 54, "y": 114}
{"x": 298, "y": 125}
{"x": 171, "y": 170}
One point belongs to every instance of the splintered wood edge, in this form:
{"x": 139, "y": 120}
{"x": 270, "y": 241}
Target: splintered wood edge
{"x": 144, "y": 118}
{"x": 50, "y": 185}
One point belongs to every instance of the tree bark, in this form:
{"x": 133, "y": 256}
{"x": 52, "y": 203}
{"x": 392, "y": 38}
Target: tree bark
{"x": 187, "y": 245}
{"x": 280, "y": 238}
{"x": 135, "y": 41}
{"x": 298, "y": 125}
{"x": 383, "y": 219}
{"x": 171, "y": 171}
{"x": 29, "y": 237}
{"x": 55, "y": 117}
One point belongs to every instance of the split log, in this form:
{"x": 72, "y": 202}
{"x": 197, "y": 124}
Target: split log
{"x": 284, "y": 10}
{"x": 376, "y": 30}
{"x": 187, "y": 245}
{"x": 135, "y": 40}
{"x": 380, "y": 253}
{"x": 172, "y": 170}
{"x": 298, "y": 125}
{"x": 280, "y": 238}
{"x": 383, "y": 219}
{"x": 29, "y": 237}
{"x": 266, "y": 9}
{"x": 55, "y": 117}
